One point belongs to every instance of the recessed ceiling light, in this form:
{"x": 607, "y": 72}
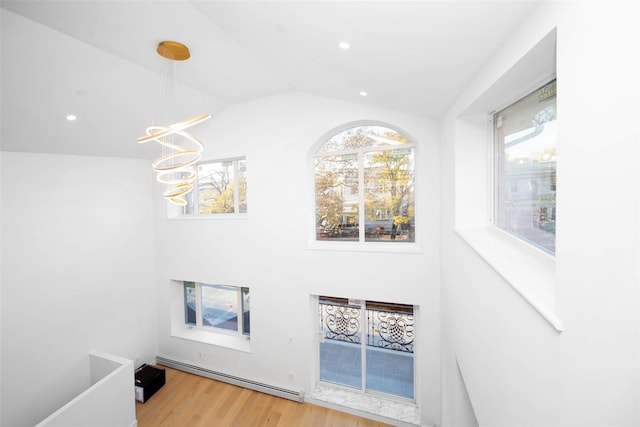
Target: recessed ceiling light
{"x": 71, "y": 117}
{"x": 344, "y": 45}
{"x": 363, "y": 93}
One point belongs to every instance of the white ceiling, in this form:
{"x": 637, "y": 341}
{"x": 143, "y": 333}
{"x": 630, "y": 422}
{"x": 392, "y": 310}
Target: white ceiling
{"x": 97, "y": 59}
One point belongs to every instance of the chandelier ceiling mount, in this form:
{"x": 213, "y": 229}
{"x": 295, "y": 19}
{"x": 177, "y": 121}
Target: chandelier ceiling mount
{"x": 173, "y": 50}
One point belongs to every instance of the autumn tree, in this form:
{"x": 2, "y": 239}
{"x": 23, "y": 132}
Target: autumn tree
{"x": 391, "y": 192}
{"x": 333, "y": 176}
{"x": 388, "y": 178}
{"x": 217, "y": 189}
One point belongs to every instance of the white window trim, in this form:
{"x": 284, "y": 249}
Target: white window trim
{"x": 239, "y": 314}
{"x": 212, "y": 336}
{"x": 360, "y": 245}
{"x": 530, "y": 271}
{"x": 175, "y": 212}
{"x": 525, "y": 267}
{"x": 379, "y": 404}
{"x": 380, "y": 247}
{"x": 363, "y": 347}
{"x": 213, "y": 217}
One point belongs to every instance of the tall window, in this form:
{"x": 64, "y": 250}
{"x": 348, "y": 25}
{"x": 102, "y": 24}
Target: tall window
{"x": 364, "y": 186}
{"x": 367, "y": 345}
{"x": 220, "y": 188}
{"x": 219, "y": 307}
{"x": 525, "y": 168}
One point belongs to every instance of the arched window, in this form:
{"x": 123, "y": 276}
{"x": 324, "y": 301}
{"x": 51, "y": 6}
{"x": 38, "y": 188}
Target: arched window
{"x": 364, "y": 186}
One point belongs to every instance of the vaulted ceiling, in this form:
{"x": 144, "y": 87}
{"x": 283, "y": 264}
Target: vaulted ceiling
{"x": 98, "y": 60}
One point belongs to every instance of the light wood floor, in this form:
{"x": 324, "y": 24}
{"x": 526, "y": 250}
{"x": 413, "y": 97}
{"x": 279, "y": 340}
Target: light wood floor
{"x": 192, "y": 401}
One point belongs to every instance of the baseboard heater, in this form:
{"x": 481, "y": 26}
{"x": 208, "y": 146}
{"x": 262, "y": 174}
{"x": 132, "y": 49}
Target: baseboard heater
{"x": 297, "y": 396}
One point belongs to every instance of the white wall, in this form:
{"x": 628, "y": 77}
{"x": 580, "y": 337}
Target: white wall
{"x": 269, "y": 251}
{"x": 518, "y": 369}
{"x": 109, "y": 402}
{"x": 77, "y": 275}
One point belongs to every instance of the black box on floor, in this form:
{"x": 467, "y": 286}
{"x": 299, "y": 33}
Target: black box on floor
{"x": 149, "y": 379}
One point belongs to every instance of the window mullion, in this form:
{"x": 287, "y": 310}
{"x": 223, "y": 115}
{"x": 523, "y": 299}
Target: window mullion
{"x": 361, "y": 197}
{"x": 363, "y": 344}
{"x": 195, "y": 193}
{"x": 239, "y": 311}
{"x": 236, "y": 188}
{"x": 198, "y": 304}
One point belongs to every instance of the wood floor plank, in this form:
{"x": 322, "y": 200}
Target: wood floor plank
{"x": 194, "y": 401}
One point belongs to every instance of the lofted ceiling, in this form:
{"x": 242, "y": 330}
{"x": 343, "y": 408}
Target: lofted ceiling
{"x": 97, "y": 60}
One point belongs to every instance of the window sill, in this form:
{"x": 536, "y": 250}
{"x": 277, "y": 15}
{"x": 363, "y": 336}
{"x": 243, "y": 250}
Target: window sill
{"x": 391, "y": 247}
{"x": 184, "y": 217}
{"x": 530, "y": 271}
{"x": 390, "y": 409}
{"x": 233, "y": 342}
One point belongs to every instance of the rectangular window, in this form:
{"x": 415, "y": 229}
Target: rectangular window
{"x": 219, "y": 307}
{"x": 337, "y": 197}
{"x": 190, "y": 303}
{"x": 389, "y": 200}
{"x": 367, "y": 345}
{"x": 525, "y": 168}
{"x": 220, "y": 188}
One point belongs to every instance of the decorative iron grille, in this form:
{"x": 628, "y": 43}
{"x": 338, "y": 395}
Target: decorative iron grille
{"x": 390, "y": 330}
{"x": 385, "y": 329}
{"x": 340, "y": 322}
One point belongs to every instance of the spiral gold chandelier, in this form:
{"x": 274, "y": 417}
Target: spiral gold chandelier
{"x": 180, "y": 149}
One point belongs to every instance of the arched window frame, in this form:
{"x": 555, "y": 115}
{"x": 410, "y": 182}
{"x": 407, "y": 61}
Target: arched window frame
{"x": 364, "y": 236}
